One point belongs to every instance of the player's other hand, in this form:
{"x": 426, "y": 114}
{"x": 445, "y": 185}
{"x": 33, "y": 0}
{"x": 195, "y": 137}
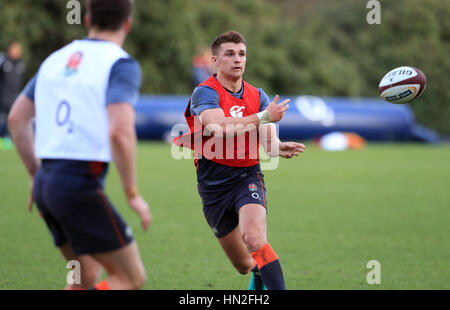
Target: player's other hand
{"x": 140, "y": 206}
{"x": 291, "y": 149}
{"x": 277, "y": 110}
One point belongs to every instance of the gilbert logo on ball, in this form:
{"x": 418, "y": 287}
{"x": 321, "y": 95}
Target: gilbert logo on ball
{"x": 402, "y": 85}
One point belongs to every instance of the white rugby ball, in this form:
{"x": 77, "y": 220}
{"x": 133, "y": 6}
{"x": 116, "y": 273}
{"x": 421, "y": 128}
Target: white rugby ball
{"x": 402, "y": 85}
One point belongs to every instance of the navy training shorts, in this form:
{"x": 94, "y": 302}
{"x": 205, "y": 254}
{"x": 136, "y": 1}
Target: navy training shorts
{"x": 70, "y": 197}
{"x": 221, "y": 205}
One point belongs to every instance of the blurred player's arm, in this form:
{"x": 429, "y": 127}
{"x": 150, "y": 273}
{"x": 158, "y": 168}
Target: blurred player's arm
{"x": 274, "y": 147}
{"x": 123, "y": 143}
{"x": 21, "y": 129}
{"x": 122, "y": 94}
{"x": 123, "y": 139}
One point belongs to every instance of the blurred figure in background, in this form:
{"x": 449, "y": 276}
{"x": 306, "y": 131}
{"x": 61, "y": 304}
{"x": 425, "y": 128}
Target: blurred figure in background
{"x": 83, "y": 98}
{"x": 12, "y": 69}
{"x": 202, "y": 67}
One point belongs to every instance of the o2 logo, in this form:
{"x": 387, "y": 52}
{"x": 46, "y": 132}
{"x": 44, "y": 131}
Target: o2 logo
{"x": 63, "y": 116}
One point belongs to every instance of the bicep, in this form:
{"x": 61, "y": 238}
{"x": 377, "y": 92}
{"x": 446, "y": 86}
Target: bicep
{"x": 22, "y": 109}
{"x": 121, "y": 117}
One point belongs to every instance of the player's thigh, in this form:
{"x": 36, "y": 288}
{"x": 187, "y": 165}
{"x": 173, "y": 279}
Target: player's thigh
{"x": 251, "y": 208}
{"x": 89, "y": 220}
{"x": 90, "y": 269}
{"x": 252, "y": 223}
{"x": 124, "y": 263}
{"x": 236, "y": 251}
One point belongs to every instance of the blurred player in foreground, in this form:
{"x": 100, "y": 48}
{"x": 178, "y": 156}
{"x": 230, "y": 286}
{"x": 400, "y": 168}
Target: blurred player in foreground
{"x": 232, "y": 187}
{"x": 83, "y": 100}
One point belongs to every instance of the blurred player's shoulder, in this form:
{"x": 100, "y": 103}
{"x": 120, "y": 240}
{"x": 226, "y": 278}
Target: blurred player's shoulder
{"x": 127, "y": 65}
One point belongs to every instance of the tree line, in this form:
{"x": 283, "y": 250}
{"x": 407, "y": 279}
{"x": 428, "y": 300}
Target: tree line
{"x": 295, "y": 47}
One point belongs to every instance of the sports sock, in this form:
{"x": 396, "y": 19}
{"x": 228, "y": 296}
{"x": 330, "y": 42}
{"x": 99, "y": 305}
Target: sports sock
{"x": 269, "y": 267}
{"x": 256, "y": 282}
{"x": 255, "y": 267}
{"x": 101, "y": 286}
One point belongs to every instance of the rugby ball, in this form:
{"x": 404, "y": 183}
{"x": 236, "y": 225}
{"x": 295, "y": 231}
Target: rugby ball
{"x": 402, "y": 85}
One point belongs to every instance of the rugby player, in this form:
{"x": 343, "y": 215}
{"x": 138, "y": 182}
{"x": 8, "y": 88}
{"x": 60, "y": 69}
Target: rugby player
{"x": 83, "y": 99}
{"x": 232, "y": 187}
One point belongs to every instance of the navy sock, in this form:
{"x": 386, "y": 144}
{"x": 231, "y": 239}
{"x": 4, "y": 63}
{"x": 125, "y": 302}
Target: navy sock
{"x": 269, "y": 268}
{"x": 272, "y": 276}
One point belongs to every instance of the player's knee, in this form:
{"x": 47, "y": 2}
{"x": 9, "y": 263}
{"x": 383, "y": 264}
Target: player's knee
{"x": 254, "y": 241}
{"x": 241, "y": 267}
{"x": 90, "y": 278}
{"x": 138, "y": 280}
{"x": 141, "y": 281}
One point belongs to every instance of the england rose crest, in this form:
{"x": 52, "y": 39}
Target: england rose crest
{"x": 74, "y": 63}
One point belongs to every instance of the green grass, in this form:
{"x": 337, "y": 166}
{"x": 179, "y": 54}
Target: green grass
{"x": 329, "y": 214}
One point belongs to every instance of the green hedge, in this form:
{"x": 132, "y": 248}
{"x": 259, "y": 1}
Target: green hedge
{"x": 318, "y": 47}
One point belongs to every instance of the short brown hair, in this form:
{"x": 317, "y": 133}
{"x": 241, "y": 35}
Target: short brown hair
{"x": 230, "y": 36}
{"x": 109, "y": 14}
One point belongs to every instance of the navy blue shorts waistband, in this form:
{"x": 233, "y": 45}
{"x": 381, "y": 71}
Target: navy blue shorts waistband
{"x": 77, "y": 167}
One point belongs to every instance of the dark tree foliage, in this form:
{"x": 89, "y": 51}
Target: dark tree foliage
{"x": 321, "y": 47}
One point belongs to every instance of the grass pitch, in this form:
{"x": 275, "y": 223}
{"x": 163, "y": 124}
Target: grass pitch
{"x": 329, "y": 214}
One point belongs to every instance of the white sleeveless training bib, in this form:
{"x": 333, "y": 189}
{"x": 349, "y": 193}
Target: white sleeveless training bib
{"x": 70, "y": 101}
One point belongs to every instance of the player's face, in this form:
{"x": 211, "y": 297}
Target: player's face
{"x": 230, "y": 59}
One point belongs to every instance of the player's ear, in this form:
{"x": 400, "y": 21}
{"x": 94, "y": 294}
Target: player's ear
{"x": 127, "y": 25}
{"x": 87, "y": 20}
{"x": 214, "y": 59}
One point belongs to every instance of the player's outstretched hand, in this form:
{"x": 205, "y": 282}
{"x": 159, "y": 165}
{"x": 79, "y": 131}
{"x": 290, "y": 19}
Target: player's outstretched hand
{"x": 277, "y": 110}
{"x": 291, "y": 149}
{"x": 140, "y": 206}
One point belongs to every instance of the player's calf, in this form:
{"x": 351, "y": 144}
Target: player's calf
{"x": 243, "y": 267}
